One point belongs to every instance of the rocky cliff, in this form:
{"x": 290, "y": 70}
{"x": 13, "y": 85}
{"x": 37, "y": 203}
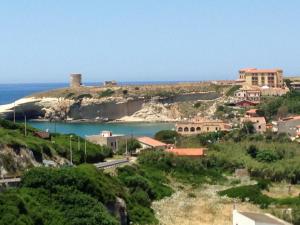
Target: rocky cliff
{"x": 90, "y": 104}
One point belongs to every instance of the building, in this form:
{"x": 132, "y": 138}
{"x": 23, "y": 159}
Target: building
{"x": 259, "y": 123}
{"x": 147, "y": 142}
{"x": 110, "y": 83}
{"x": 250, "y": 93}
{"x": 75, "y": 80}
{"x": 201, "y": 125}
{"x": 262, "y": 77}
{"x": 250, "y": 218}
{"x": 287, "y": 125}
{"x": 188, "y": 152}
{"x": 295, "y": 85}
{"x": 245, "y": 103}
{"x": 266, "y": 91}
{"x": 106, "y": 138}
{"x": 251, "y": 113}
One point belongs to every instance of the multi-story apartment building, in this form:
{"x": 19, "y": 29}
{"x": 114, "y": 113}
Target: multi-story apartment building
{"x": 262, "y": 77}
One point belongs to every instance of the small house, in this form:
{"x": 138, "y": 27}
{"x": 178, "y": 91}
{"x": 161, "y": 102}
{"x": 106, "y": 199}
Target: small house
{"x": 147, "y": 142}
{"x": 259, "y": 123}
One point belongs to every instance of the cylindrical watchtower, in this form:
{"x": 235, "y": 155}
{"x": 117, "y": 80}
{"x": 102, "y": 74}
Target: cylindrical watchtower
{"x": 75, "y": 81}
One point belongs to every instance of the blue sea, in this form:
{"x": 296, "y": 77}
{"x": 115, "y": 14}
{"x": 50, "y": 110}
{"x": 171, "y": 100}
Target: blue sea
{"x": 12, "y": 92}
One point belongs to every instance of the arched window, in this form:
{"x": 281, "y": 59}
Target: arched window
{"x": 198, "y": 129}
{"x": 186, "y": 129}
{"x": 192, "y": 129}
{"x": 180, "y": 129}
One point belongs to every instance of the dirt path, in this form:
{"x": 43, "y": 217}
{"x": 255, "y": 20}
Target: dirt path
{"x": 198, "y": 207}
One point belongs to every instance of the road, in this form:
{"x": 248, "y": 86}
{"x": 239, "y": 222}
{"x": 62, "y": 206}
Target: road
{"x": 110, "y": 164}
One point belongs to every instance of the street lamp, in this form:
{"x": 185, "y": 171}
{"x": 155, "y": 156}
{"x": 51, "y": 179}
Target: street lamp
{"x": 85, "y": 149}
{"x": 71, "y": 156}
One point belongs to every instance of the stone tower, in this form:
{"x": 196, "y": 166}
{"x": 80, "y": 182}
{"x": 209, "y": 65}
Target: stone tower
{"x": 75, "y": 81}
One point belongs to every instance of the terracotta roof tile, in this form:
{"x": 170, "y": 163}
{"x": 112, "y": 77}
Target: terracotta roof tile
{"x": 151, "y": 142}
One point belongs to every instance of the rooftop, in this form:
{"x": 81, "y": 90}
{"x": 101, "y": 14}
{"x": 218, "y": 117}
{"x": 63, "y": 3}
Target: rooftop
{"x": 264, "y": 218}
{"x": 255, "y": 70}
{"x": 257, "y": 119}
{"x": 151, "y": 142}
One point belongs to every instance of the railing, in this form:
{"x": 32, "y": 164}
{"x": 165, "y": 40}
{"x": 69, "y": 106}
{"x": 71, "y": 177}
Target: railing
{"x": 115, "y": 163}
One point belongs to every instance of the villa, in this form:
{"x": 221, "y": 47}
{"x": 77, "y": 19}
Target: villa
{"x": 201, "y": 125}
{"x": 108, "y": 139}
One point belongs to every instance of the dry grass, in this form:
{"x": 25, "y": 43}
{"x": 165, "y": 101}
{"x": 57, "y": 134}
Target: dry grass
{"x": 203, "y": 207}
{"x": 282, "y": 190}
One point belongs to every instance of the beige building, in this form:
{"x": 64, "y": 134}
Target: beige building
{"x": 259, "y": 123}
{"x": 201, "y": 125}
{"x": 106, "y": 138}
{"x": 250, "y": 93}
{"x": 262, "y": 77}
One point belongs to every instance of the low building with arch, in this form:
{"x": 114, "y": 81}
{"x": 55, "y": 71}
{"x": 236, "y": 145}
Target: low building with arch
{"x": 201, "y": 125}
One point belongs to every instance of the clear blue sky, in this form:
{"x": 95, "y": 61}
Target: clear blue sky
{"x": 136, "y": 40}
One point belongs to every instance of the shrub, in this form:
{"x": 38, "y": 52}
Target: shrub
{"x": 167, "y": 136}
{"x": 108, "y": 92}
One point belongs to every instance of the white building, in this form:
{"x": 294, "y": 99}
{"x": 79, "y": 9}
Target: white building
{"x": 249, "y": 218}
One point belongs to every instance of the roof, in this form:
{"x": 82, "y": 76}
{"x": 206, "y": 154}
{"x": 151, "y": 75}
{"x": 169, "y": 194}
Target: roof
{"x": 151, "y": 142}
{"x": 187, "y": 151}
{"x": 254, "y": 70}
{"x": 264, "y": 218}
{"x": 251, "y": 111}
{"x": 257, "y": 119}
{"x": 42, "y": 134}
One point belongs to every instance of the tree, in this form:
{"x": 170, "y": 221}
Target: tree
{"x": 132, "y": 146}
{"x": 167, "y": 136}
{"x": 248, "y": 128}
{"x": 252, "y": 151}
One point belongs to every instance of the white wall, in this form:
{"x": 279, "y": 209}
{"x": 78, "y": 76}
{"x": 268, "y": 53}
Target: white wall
{"x": 239, "y": 219}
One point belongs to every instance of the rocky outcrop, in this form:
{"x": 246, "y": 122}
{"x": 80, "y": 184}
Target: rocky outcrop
{"x": 102, "y": 109}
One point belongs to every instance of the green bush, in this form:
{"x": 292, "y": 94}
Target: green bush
{"x": 167, "y": 136}
{"x": 106, "y": 93}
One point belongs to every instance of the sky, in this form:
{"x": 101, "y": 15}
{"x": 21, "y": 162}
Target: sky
{"x": 146, "y": 40}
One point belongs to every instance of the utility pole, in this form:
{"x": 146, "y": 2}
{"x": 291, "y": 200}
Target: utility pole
{"x": 78, "y": 143}
{"x": 25, "y": 125}
{"x": 85, "y": 150}
{"x": 14, "y": 112}
{"x": 126, "y": 147}
{"x": 71, "y": 156}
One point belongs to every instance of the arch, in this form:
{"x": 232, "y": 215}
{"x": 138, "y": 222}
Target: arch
{"x": 180, "y": 129}
{"x": 192, "y": 129}
{"x": 186, "y": 129}
{"x": 198, "y": 129}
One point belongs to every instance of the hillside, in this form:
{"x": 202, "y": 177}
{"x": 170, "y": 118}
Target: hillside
{"x": 19, "y": 152}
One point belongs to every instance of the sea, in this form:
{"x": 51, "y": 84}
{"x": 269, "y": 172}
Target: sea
{"x": 12, "y": 92}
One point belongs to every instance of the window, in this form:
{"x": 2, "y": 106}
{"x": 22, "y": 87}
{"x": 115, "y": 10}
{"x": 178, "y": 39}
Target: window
{"x": 198, "y": 128}
{"x": 207, "y": 128}
{"x": 186, "y": 129}
{"x": 192, "y": 129}
{"x": 180, "y": 129}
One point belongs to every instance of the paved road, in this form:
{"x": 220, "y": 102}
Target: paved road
{"x": 114, "y": 163}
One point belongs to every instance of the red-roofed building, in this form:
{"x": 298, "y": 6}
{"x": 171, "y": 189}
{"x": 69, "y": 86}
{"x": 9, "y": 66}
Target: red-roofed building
{"x": 251, "y": 113}
{"x": 147, "y": 142}
{"x": 189, "y": 152}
